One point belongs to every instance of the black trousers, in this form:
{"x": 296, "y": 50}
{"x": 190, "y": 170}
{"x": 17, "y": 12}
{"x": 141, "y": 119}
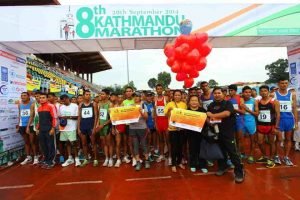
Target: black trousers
{"x": 194, "y": 139}
{"x": 176, "y": 141}
{"x": 228, "y": 147}
{"x": 47, "y": 143}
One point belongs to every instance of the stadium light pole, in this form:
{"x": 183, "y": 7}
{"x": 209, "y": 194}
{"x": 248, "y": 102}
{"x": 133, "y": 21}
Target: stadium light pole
{"x": 127, "y": 66}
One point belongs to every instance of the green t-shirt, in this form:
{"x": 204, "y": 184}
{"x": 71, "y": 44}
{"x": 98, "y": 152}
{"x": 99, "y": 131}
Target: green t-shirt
{"x": 128, "y": 102}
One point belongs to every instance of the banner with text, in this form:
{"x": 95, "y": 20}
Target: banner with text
{"x": 187, "y": 119}
{"x": 125, "y": 115}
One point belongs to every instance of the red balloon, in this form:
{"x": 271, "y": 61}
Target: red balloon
{"x": 185, "y": 49}
{"x": 193, "y": 56}
{"x": 192, "y": 41}
{"x": 201, "y": 64}
{"x": 176, "y": 67}
{"x": 205, "y": 49}
{"x": 169, "y": 50}
{"x": 180, "y": 40}
{"x": 170, "y": 61}
{"x": 178, "y": 53}
{"x": 186, "y": 68}
{"x": 194, "y": 74}
{"x": 201, "y": 38}
{"x": 181, "y": 76}
{"x": 189, "y": 82}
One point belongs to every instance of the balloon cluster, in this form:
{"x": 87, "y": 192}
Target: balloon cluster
{"x": 187, "y": 56}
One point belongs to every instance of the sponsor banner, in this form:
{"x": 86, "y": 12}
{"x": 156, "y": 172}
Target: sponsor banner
{"x": 187, "y": 119}
{"x": 33, "y": 84}
{"x": 71, "y": 91}
{"x": 12, "y": 84}
{"x": 54, "y": 88}
{"x": 125, "y": 115}
{"x": 294, "y": 70}
{"x": 137, "y": 21}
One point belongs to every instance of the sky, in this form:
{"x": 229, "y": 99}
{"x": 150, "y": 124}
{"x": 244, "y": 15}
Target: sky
{"x": 225, "y": 65}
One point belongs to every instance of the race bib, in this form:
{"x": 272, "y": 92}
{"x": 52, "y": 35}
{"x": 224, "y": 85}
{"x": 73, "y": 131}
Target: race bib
{"x": 103, "y": 114}
{"x": 250, "y": 107}
{"x": 236, "y": 106}
{"x": 87, "y": 112}
{"x": 25, "y": 112}
{"x": 206, "y": 104}
{"x": 264, "y": 116}
{"x": 160, "y": 111}
{"x": 285, "y": 106}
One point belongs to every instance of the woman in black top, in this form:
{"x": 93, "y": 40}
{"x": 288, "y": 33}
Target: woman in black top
{"x": 195, "y": 138}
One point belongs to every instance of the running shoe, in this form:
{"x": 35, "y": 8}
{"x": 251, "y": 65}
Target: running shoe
{"x": 61, "y": 159}
{"x": 35, "y": 160}
{"x": 84, "y": 163}
{"x": 147, "y": 164}
{"x": 250, "y": 160}
{"x": 134, "y": 162}
{"x": 27, "y": 160}
{"x": 221, "y": 172}
{"x": 126, "y": 160}
{"x": 204, "y": 170}
{"x": 138, "y": 166}
{"x": 297, "y": 147}
{"x": 160, "y": 158}
{"x": 243, "y": 156}
{"x": 68, "y": 162}
{"x": 151, "y": 158}
{"x": 193, "y": 169}
{"x": 95, "y": 163}
{"x": 230, "y": 164}
{"x": 277, "y": 160}
{"x": 77, "y": 162}
{"x": 118, "y": 163}
{"x": 287, "y": 161}
{"x": 210, "y": 163}
{"x": 110, "y": 162}
{"x": 105, "y": 164}
{"x": 262, "y": 160}
{"x": 270, "y": 164}
{"x": 239, "y": 177}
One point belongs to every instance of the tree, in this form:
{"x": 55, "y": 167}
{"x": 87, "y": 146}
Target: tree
{"x": 130, "y": 84}
{"x": 212, "y": 83}
{"x": 152, "y": 83}
{"x": 277, "y": 70}
{"x": 164, "y": 78}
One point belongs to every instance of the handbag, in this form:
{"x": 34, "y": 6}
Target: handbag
{"x": 210, "y": 150}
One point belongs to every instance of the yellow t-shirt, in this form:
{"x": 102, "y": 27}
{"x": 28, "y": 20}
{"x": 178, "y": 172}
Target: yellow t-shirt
{"x": 172, "y": 105}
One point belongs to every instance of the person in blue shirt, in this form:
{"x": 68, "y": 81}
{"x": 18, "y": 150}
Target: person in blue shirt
{"x": 288, "y": 118}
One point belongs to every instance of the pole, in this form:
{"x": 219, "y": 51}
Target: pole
{"x": 127, "y": 67}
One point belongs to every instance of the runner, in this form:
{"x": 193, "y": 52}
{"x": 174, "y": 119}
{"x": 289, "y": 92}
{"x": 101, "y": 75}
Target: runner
{"x": 151, "y": 132}
{"x": 267, "y": 125}
{"x": 68, "y": 125}
{"x": 237, "y": 101}
{"x": 195, "y": 138}
{"x": 254, "y": 94}
{"x": 46, "y": 130}
{"x": 104, "y": 127}
{"x": 207, "y": 96}
{"x": 129, "y": 101}
{"x": 87, "y": 120}
{"x": 79, "y": 99}
{"x": 175, "y": 133}
{"x": 251, "y": 107}
{"x": 288, "y": 118}
{"x": 138, "y": 134}
{"x": 224, "y": 110}
{"x": 74, "y": 100}
{"x": 161, "y": 123}
{"x": 25, "y": 128}
{"x": 117, "y": 131}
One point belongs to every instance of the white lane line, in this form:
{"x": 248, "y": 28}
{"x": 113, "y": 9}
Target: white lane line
{"x": 15, "y": 187}
{"x": 277, "y": 167}
{"x": 149, "y": 178}
{"x": 79, "y": 182}
{"x": 209, "y": 173}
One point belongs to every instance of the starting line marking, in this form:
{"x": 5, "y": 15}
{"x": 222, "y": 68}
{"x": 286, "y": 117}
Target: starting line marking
{"x": 79, "y": 182}
{"x": 16, "y": 187}
{"x": 149, "y": 178}
{"x": 279, "y": 167}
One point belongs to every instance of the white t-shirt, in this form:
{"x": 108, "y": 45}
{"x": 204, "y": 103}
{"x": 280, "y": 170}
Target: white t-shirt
{"x": 70, "y": 110}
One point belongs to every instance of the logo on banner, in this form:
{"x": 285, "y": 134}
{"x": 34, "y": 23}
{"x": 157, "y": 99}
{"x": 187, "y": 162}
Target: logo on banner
{"x": 18, "y": 83}
{"x": 293, "y": 69}
{"x": 4, "y": 90}
{"x": 4, "y": 74}
{"x": 67, "y": 30}
{"x": 14, "y": 75}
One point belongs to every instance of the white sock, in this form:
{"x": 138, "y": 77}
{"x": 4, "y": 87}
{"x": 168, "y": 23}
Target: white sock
{"x": 70, "y": 157}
